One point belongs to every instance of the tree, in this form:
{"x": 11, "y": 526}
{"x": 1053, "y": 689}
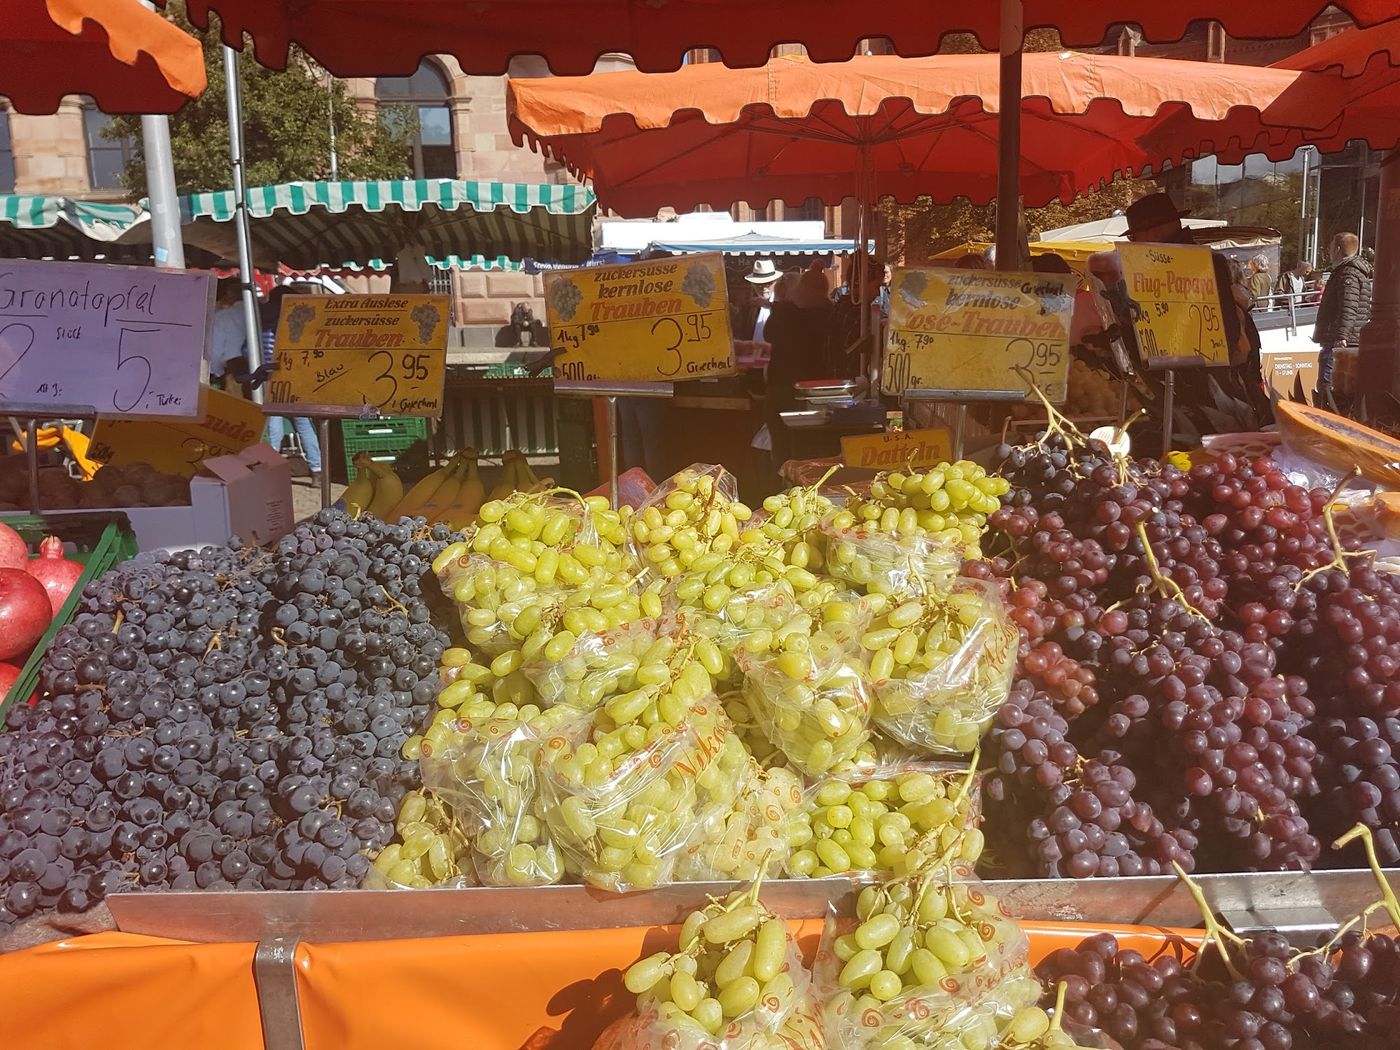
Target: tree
{"x": 287, "y": 122}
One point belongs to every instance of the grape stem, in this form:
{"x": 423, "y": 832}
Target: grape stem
{"x": 1166, "y": 586}
{"x": 1056, "y": 422}
{"x": 1216, "y": 934}
{"x": 1058, "y": 1017}
{"x": 1339, "y": 555}
{"x": 1388, "y": 900}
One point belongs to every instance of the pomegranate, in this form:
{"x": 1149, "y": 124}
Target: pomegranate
{"x": 25, "y": 612}
{"x": 14, "y": 553}
{"x": 54, "y": 571}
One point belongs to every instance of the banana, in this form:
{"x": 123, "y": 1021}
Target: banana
{"x": 509, "y": 476}
{"x": 469, "y": 499}
{"x": 360, "y": 492}
{"x": 446, "y": 494}
{"x": 388, "y": 491}
{"x": 423, "y": 491}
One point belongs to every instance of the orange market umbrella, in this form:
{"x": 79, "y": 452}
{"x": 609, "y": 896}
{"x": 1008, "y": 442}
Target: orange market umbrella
{"x": 795, "y": 129}
{"x": 381, "y": 37}
{"x": 127, "y": 58}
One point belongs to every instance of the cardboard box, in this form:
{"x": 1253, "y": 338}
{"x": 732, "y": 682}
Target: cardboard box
{"x": 248, "y": 495}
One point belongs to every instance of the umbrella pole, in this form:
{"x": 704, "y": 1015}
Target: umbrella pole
{"x": 1013, "y": 38}
{"x": 234, "y": 96}
{"x": 1378, "y": 362}
{"x": 167, "y": 245}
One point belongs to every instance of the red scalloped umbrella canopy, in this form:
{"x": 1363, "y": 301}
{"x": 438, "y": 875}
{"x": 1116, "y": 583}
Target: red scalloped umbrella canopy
{"x": 385, "y": 37}
{"x": 127, "y": 58}
{"x": 795, "y": 129}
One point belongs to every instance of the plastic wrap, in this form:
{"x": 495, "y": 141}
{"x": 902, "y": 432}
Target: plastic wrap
{"x": 699, "y": 503}
{"x": 596, "y": 666}
{"x": 487, "y": 772}
{"x": 877, "y": 562}
{"x": 888, "y": 820}
{"x": 784, "y": 1015}
{"x": 430, "y": 849}
{"x": 963, "y": 657}
{"x": 970, "y": 993}
{"x": 623, "y": 821}
{"x": 814, "y": 707}
{"x": 750, "y": 841}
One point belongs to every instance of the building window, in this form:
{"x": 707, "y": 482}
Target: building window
{"x": 810, "y": 210}
{"x": 107, "y": 157}
{"x": 424, "y": 96}
{"x": 7, "y": 154}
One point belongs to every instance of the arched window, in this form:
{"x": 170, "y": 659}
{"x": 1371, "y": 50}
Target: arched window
{"x": 7, "y": 154}
{"x": 425, "y": 94}
{"x": 107, "y": 157}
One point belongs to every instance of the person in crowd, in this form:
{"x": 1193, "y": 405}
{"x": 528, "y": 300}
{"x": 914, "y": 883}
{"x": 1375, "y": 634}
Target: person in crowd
{"x": 276, "y": 425}
{"x": 228, "y": 339}
{"x": 845, "y": 347}
{"x": 797, "y": 333}
{"x": 751, "y": 317}
{"x": 1345, "y": 306}
{"x": 1293, "y": 280}
{"x": 1260, "y": 283}
{"x": 523, "y": 330}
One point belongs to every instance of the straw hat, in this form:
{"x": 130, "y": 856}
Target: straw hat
{"x": 763, "y": 272}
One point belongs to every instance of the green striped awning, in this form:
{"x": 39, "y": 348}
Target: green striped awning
{"x": 41, "y": 226}
{"x": 309, "y": 224}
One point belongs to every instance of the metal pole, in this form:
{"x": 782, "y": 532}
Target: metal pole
{"x": 1168, "y": 410}
{"x": 323, "y": 430}
{"x": 167, "y": 245}
{"x": 330, "y": 116}
{"x": 1123, "y": 404}
{"x": 1378, "y": 363}
{"x": 959, "y": 431}
{"x": 1009, "y": 137}
{"x": 612, "y": 449}
{"x": 234, "y": 93}
{"x": 31, "y": 450}
{"x": 1303, "y": 210}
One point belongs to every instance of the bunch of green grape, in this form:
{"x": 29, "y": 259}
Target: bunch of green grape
{"x": 814, "y": 707}
{"x": 941, "y": 665}
{"x": 624, "y": 798}
{"x": 749, "y": 841}
{"x": 948, "y": 503}
{"x": 693, "y": 517}
{"x": 472, "y": 691}
{"x": 891, "y": 823}
{"x": 930, "y": 961}
{"x": 735, "y": 963}
{"x": 430, "y": 848}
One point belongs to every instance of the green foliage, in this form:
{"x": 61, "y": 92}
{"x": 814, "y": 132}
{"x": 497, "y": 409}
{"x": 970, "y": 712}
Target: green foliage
{"x": 287, "y": 119}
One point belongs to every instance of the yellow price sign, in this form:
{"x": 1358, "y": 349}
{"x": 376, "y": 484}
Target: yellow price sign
{"x": 1176, "y": 305}
{"x": 976, "y": 330}
{"x": 338, "y": 355}
{"x": 177, "y": 446}
{"x": 895, "y": 450}
{"x": 647, "y": 322}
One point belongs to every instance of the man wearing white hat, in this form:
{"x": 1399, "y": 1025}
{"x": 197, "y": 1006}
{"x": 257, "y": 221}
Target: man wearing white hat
{"x": 764, "y": 277}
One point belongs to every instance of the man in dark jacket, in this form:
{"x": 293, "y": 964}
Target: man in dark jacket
{"x": 1345, "y": 306}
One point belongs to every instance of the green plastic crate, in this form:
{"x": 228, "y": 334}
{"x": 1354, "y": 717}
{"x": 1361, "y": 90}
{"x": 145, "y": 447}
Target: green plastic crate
{"x": 102, "y": 540}
{"x": 383, "y": 439}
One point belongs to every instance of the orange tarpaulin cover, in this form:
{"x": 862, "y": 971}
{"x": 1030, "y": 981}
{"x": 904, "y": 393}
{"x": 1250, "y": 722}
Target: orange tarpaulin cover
{"x": 521, "y": 991}
{"x": 129, "y": 59}
{"x": 795, "y": 129}
{"x": 383, "y": 37}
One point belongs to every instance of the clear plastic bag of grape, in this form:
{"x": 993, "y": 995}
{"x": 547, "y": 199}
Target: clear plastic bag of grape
{"x": 693, "y": 512}
{"x": 624, "y": 801}
{"x": 876, "y": 562}
{"x": 488, "y": 773}
{"x": 815, "y": 707}
{"x": 596, "y": 665}
{"x": 735, "y": 982}
{"x": 429, "y": 849}
{"x": 889, "y": 820}
{"x": 941, "y": 667}
{"x": 749, "y": 841}
{"x": 927, "y": 961}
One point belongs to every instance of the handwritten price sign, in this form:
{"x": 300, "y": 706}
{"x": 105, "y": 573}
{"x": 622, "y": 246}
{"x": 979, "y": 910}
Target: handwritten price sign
{"x": 1176, "y": 304}
{"x": 178, "y": 446}
{"x": 338, "y": 355}
{"x": 649, "y": 322}
{"x": 975, "y": 330}
{"x": 123, "y": 340}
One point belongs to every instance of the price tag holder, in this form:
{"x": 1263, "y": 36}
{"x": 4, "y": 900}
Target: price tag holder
{"x": 1175, "y": 301}
{"x": 647, "y": 322}
{"x": 345, "y": 355}
{"x": 898, "y": 450}
{"x": 122, "y": 340}
{"x": 975, "y": 330}
{"x": 178, "y": 446}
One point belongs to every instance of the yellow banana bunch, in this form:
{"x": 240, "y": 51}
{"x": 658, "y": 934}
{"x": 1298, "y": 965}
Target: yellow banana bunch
{"x": 360, "y": 492}
{"x": 388, "y": 491}
{"x": 470, "y": 496}
{"x": 510, "y": 476}
{"x": 426, "y": 489}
